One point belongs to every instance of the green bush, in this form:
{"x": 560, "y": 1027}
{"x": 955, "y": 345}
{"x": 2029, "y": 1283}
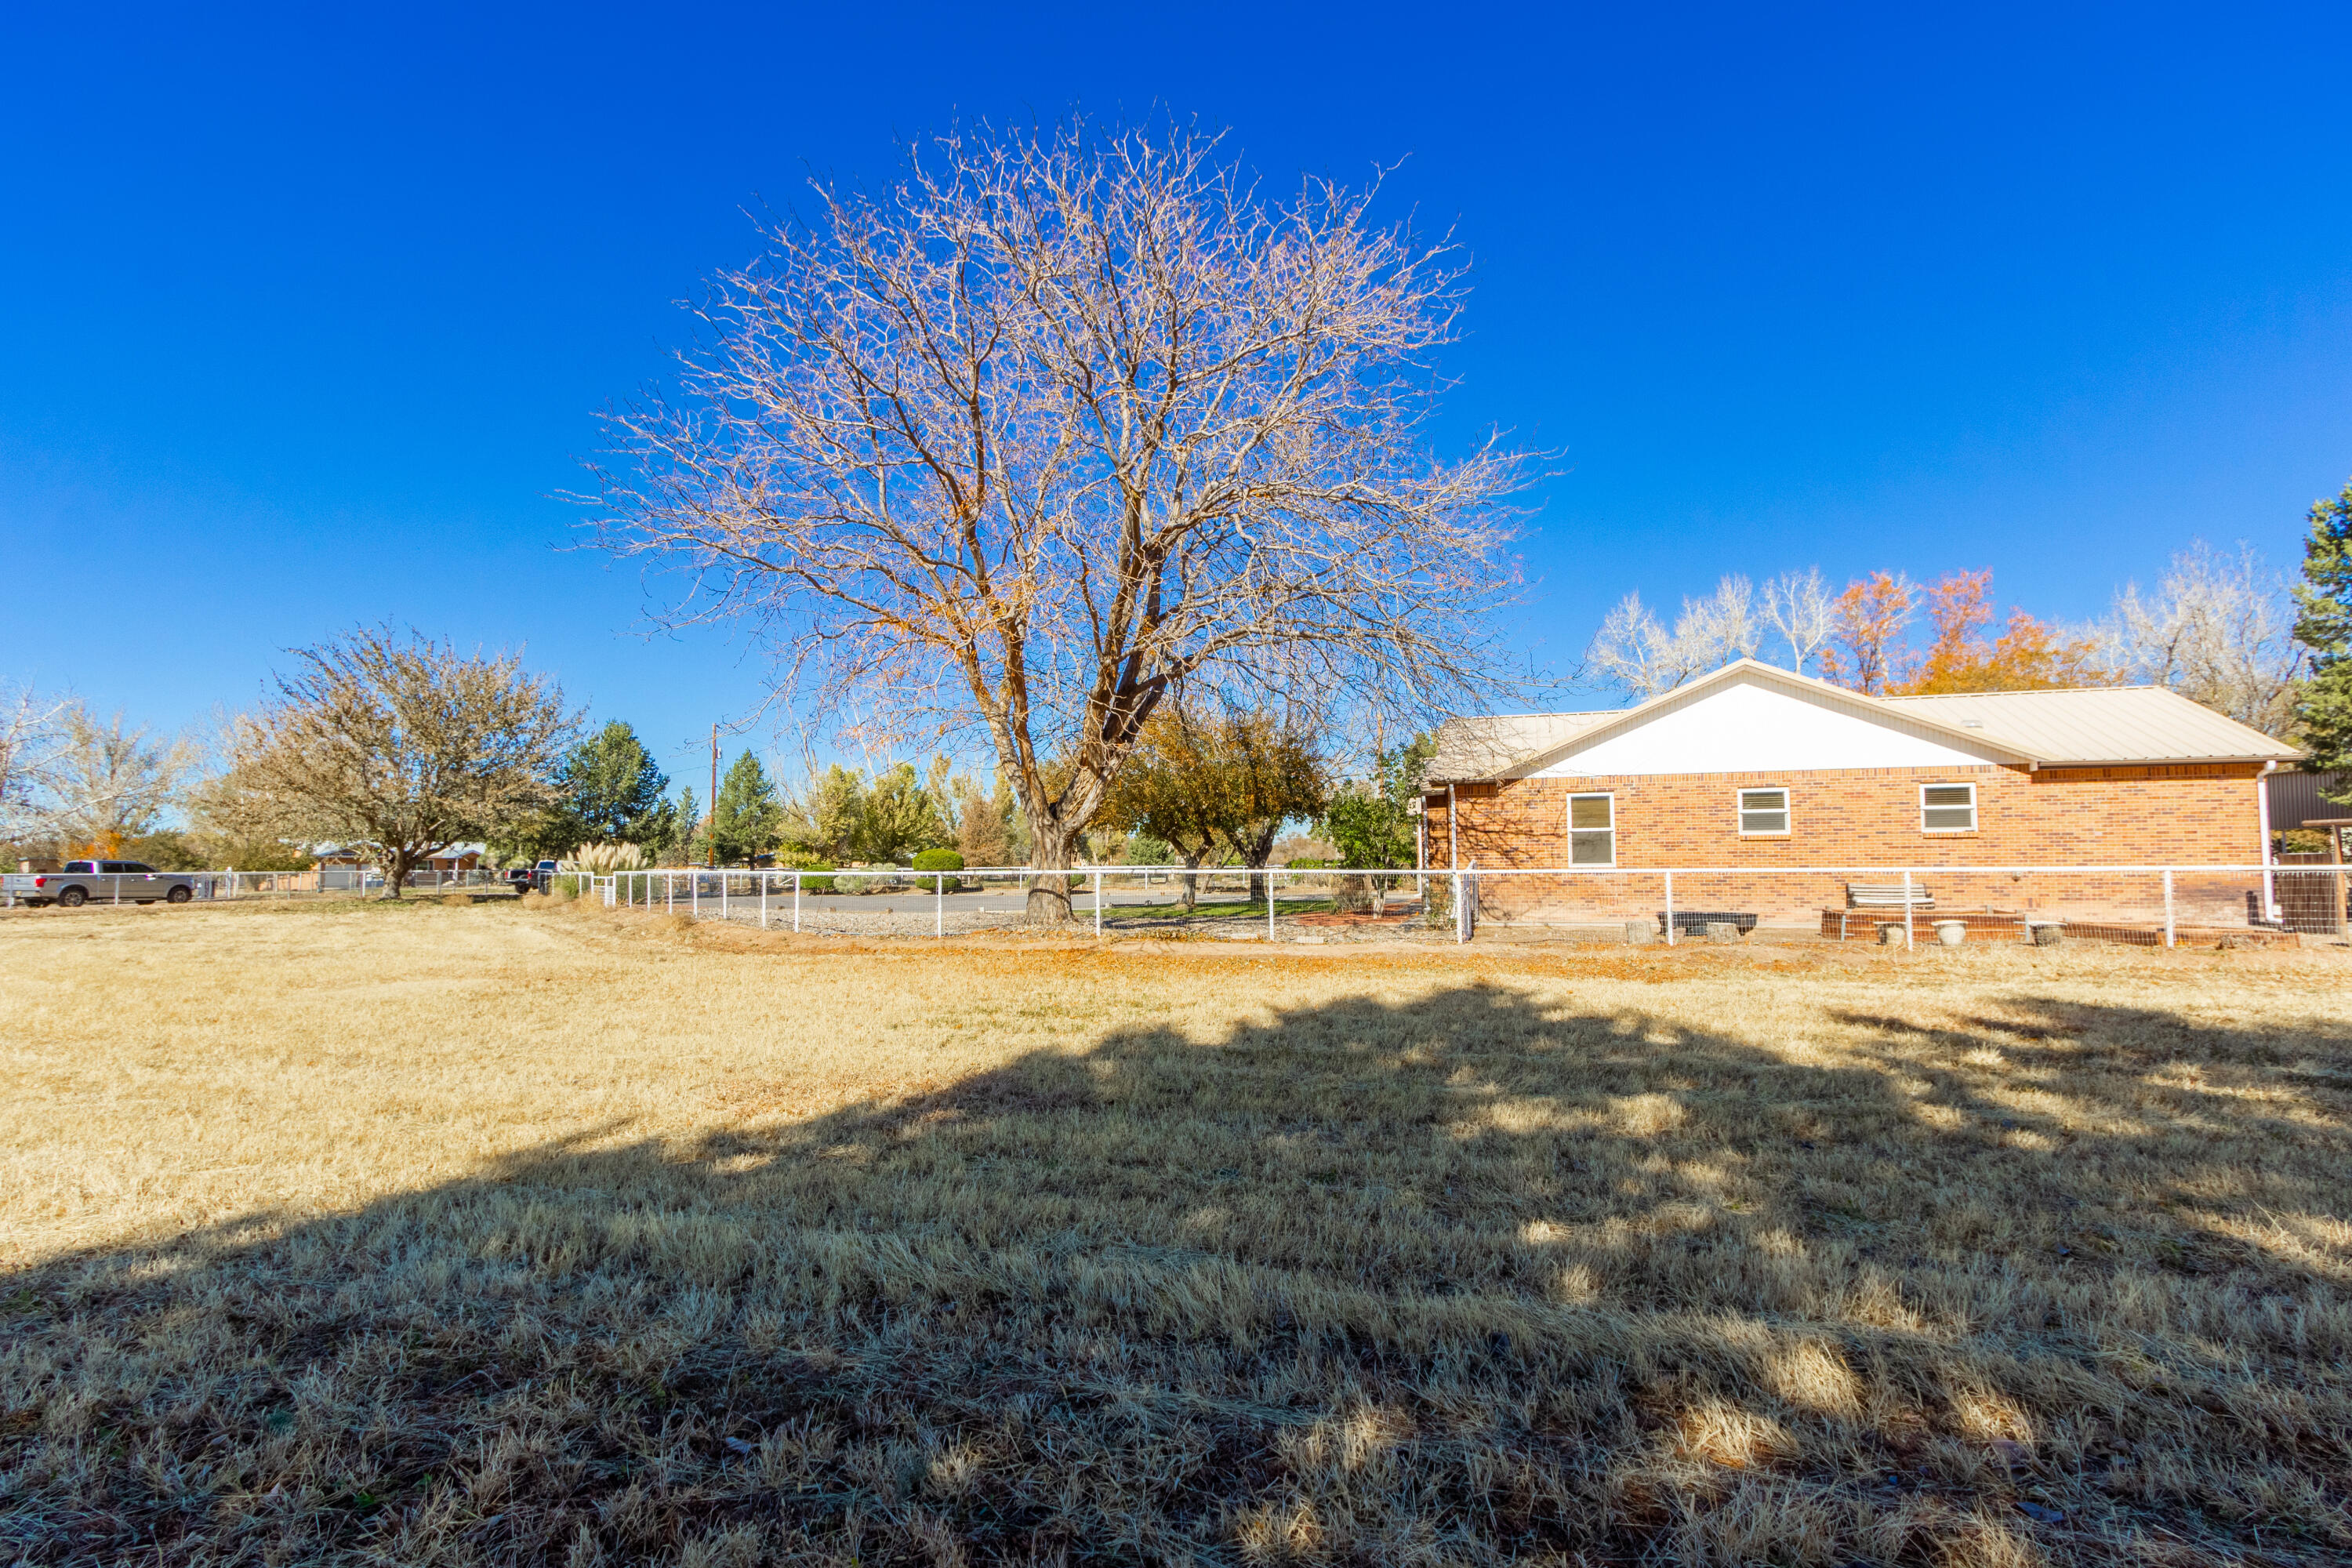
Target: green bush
{"x": 815, "y": 884}
{"x": 850, "y": 883}
{"x": 1309, "y": 863}
{"x": 939, "y": 861}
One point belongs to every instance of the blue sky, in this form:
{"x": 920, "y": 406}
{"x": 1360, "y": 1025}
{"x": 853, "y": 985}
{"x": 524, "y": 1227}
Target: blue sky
{"x": 304, "y": 315}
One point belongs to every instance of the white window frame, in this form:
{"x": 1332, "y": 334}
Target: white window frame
{"x": 1974, "y": 817}
{"x": 1609, "y": 795}
{"x": 1740, "y": 809}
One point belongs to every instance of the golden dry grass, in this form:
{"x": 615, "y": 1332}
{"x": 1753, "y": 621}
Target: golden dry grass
{"x": 498, "y": 1235}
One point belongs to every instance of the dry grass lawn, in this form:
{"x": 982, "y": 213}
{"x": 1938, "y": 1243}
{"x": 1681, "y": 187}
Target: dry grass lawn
{"x": 349, "y": 1234}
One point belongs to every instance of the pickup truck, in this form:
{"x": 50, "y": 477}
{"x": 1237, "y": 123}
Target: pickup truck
{"x": 98, "y": 881}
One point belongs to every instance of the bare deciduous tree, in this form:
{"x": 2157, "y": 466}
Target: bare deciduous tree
{"x": 110, "y": 781}
{"x": 32, "y": 734}
{"x": 1062, "y": 419}
{"x": 1801, "y": 609}
{"x": 2220, "y": 630}
{"x": 398, "y": 744}
{"x": 1635, "y": 653}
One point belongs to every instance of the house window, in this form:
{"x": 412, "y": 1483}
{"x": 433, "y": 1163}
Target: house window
{"x": 1948, "y": 808}
{"x": 1593, "y": 830}
{"x": 1763, "y": 813}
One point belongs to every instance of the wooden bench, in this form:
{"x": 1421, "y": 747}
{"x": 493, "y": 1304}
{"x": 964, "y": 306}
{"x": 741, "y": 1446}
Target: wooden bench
{"x": 1865, "y": 896}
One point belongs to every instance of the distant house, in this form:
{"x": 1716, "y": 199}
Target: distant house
{"x": 1753, "y": 766}
{"x": 351, "y": 858}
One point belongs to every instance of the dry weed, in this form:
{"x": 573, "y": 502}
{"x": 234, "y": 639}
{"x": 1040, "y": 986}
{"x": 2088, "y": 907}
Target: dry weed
{"x": 534, "y": 1234}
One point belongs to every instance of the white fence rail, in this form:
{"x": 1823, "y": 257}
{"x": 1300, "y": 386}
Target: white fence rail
{"x": 2147, "y": 905}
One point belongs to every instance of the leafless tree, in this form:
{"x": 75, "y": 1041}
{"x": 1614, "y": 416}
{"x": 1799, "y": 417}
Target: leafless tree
{"x": 32, "y": 734}
{"x": 2218, "y": 629}
{"x": 1801, "y": 609}
{"x": 109, "y": 782}
{"x": 398, "y": 744}
{"x": 1062, "y": 419}
{"x": 1635, "y": 653}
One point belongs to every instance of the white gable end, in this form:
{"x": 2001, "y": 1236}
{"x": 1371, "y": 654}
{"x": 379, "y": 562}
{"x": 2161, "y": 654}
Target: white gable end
{"x": 1745, "y": 726}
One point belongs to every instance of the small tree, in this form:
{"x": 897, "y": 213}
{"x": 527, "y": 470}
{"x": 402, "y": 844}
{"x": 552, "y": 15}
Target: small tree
{"x": 2218, "y": 629}
{"x": 904, "y": 813}
{"x": 824, "y": 820}
{"x": 2324, "y": 626}
{"x": 1799, "y": 607}
{"x": 1635, "y": 653}
{"x": 1869, "y": 619}
{"x": 110, "y": 783}
{"x": 1229, "y": 781}
{"x": 612, "y": 787}
{"x": 32, "y": 734}
{"x": 398, "y": 744}
{"x": 2030, "y": 655}
{"x": 747, "y": 818}
{"x": 1371, "y": 821}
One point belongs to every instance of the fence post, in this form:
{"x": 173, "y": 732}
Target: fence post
{"x": 763, "y": 901}
{"x": 939, "y": 905}
{"x": 2167, "y": 907}
{"x": 669, "y": 892}
{"x": 1459, "y": 936}
{"x": 1269, "y": 903}
{"x": 694, "y": 896}
{"x": 1906, "y": 912}
{"x": 1670, "y": 908}
{"x": 796, "y": 900}
{"x": 1098, "y": 903}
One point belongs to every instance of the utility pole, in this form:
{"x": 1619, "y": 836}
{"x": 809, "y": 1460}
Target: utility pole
{"x": 710, "y": 839}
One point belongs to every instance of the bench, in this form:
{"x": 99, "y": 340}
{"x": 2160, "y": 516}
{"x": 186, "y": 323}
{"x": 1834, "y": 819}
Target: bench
{"x": 1695, "y": 920}
{"x": 1862, "y": 896}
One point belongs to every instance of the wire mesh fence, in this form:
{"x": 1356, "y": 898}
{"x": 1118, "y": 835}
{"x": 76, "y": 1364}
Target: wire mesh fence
{"x": 2153, "y": 906}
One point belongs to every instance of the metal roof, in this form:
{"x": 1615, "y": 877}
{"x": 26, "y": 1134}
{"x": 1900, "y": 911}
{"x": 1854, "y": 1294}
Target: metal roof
{"x": 2117, "y": 724}
{"x": 2101, "y": 725}
{"x": 1487, "y": 745}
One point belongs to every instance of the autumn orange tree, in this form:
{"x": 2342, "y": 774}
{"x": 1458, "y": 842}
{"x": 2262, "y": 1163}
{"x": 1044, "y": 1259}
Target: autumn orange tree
{"x": 2029, "y": 654}
{"x": 1867, "y": 651}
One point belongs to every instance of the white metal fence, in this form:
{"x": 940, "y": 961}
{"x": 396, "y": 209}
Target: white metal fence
{"x": 2144, "y": 905}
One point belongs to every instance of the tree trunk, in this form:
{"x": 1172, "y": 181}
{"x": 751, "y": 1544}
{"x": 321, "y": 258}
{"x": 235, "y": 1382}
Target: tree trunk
{"x": 1190, "y": 882}
{"x": 400, "y": 863}
{"x": 1049, "y": 892}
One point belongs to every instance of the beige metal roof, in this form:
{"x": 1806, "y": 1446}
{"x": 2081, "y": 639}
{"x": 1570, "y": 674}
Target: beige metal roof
{"x": 1488, "y": 746}
{"x": 2106, "y": 724}
{"x": 2119, "y": 724}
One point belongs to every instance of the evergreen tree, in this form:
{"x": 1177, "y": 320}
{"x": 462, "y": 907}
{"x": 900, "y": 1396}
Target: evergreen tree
{"x": 683, "y": 829}
{"x": 2324, "y": 626}
{"x": 748, "y": 815}
{"x": 612, "y": 786}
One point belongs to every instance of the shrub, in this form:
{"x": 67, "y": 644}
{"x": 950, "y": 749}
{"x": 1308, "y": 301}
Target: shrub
{"x": 1309, "y": 863}
{"x": 939, "y": 861}
{"x": 847, "y": 884}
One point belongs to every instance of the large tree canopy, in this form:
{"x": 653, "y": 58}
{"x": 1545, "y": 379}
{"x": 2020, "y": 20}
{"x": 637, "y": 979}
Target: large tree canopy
{"x": 1060, "y": 420}
{"x": 399, "y": 743}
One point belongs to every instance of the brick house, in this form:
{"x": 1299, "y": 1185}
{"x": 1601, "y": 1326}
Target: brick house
{"x": 1753, "y": 766}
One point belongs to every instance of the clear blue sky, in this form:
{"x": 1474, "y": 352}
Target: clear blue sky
{"x": 304, "y": 315}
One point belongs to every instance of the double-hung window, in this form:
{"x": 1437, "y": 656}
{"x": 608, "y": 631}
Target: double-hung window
{"x": 1948, "y": 808}
{"x": 1763, "y": 813}
{"x": 1593, "y": 830}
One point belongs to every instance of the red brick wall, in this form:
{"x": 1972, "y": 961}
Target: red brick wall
{"x": 2059, "y": 816}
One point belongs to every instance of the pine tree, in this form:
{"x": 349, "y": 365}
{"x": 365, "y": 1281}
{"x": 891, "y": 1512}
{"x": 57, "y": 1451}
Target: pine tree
{"x": 748, "y": 814}
{"x": 2324, "y": 626}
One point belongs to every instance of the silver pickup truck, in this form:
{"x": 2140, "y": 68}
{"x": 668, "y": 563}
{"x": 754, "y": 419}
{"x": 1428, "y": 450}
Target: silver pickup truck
{"x": 97, "y": 883}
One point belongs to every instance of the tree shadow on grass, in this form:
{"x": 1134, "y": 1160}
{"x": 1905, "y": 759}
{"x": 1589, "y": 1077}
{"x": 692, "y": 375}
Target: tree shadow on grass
{"x": 1465, "y": 1279}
